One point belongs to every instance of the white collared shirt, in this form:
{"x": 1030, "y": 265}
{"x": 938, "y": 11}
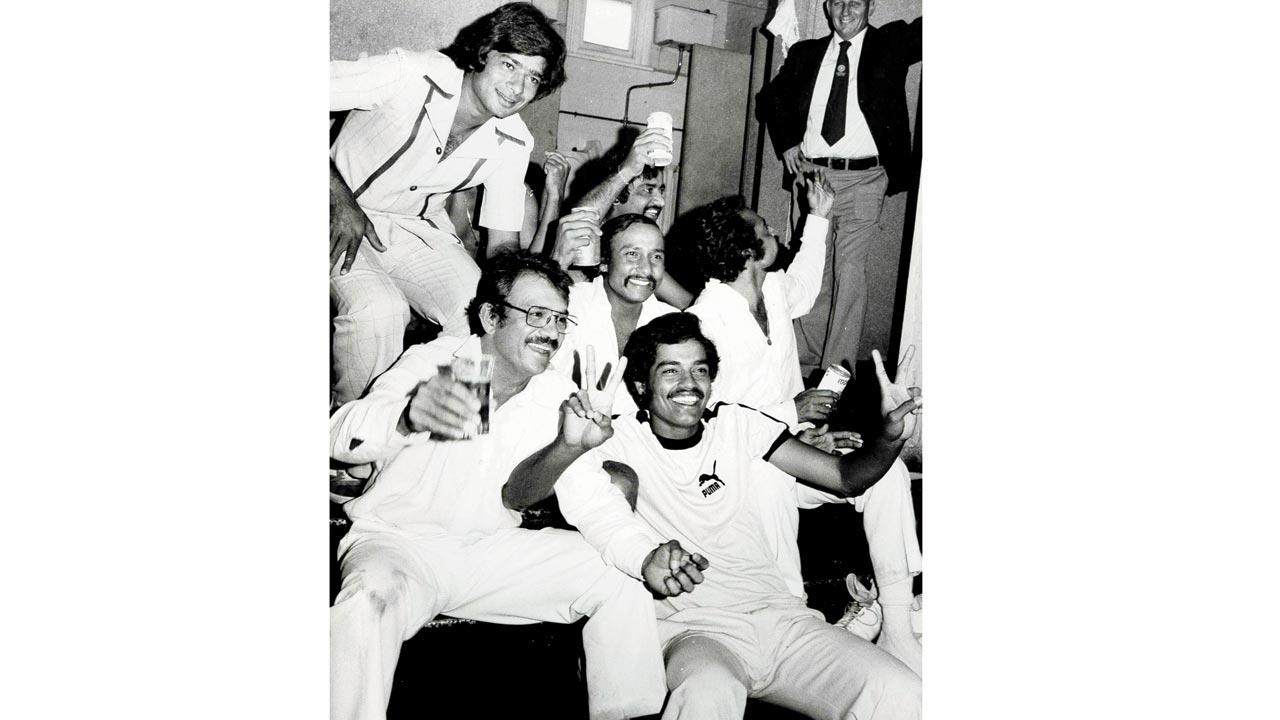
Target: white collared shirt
{"x": 761, "y": 371}
{"x": 857, "y": 141}
{"x": 403, "y": 105}
{"x": 589, "y": 304}
{"x": 424, "y": 486}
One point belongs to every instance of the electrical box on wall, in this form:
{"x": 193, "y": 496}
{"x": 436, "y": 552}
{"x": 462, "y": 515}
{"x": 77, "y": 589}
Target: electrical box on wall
{"x": 682, "y": 26}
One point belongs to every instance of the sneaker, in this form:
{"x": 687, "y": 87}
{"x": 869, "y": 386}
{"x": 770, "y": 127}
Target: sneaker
{"x": 862, "y": 620}
{"x": 864, "y": 615}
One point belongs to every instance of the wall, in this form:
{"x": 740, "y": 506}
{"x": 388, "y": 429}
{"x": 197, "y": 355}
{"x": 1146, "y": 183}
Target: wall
{"x": 887, "y": 245}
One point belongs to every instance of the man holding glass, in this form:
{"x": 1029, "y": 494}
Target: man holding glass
{"x": 432, "y": 536}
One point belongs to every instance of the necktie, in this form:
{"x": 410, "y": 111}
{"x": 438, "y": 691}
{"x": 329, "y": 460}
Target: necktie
{"x": 833, "y": 121}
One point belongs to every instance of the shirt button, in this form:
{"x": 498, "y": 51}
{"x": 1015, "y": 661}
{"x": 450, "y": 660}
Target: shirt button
{"x": 413, "y": 187}
{"x": 438, "y": 151}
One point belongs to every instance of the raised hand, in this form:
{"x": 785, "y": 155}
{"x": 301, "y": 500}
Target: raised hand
{"x": 669, "y": 570}
{"x": 556, "y": 166}
{"x": 442, "y": 406}
{"x": 652, "y": 140}
{"x": 578, "y": 228}
{"x": 898, "y": 404}
{"x": 585, "y": 418}
{"x": 348, "y": 224}
{"x": 813, "y": 404}
{"x": 819, "y": 193}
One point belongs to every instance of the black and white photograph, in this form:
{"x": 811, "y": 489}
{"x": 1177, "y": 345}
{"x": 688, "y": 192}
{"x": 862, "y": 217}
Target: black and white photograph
{"x": 625, "y": 403}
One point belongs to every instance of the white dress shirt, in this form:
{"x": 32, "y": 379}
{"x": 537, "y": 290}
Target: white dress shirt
{"x": 409, "y": 101}
{"x": 762, "y": 371}
{"x": 857, "y": 141}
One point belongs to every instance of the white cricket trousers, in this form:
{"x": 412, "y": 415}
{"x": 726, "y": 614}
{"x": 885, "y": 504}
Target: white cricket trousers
{"x": 888, "y": 520}
{"x": 433, "y": 274}
{"x": 393, "y": 584}
{"x": 787, "y": 656}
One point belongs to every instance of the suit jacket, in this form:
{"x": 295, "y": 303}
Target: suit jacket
{"x": 887, "y": 53}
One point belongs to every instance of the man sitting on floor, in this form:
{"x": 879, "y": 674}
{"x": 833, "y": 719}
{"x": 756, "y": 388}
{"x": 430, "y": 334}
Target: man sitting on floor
{"x": 431, "y": 535}
{"x": 741, "y": 632}
{"x": 747, "y": 310}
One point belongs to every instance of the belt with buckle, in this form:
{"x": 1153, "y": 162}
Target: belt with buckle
{"x": 863, "y": 163}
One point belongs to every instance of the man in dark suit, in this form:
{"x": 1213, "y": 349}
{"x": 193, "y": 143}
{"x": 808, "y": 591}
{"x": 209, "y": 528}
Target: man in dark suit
{"x": 839, "y": 102}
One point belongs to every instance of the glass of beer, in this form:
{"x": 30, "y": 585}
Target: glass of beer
{"x": 475, "y": 372}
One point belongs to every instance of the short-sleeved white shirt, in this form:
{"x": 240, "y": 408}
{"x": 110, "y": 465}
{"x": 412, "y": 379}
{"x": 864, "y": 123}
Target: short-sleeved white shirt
{"x": 402, "y": 108}
{"x": 702, "y": 492}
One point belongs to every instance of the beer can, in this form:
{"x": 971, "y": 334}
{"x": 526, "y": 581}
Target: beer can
{"x": 587, "y": 255}
{"x": 835, "y": 379}
{"x": 661, "y": 158}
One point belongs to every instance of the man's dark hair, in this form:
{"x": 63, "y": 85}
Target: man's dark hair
{"x": 518, "y": 28}
{"x": 615, "y": 225}
{"x": 500, "y": 273}
{"x": 642, "y": 349}
{"x": 650, "y": 172}
{"x": 716, "y": 239}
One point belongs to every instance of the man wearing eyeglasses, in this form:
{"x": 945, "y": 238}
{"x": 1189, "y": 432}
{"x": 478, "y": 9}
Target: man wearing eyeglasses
{"x": 432, "y": 534}
{"x": 839, "y": 103}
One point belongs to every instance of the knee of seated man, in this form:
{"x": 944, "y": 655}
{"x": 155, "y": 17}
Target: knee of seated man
{"x": 381, "y": 306}
{"x": 382, "y": 589}
{"x": 893, "y": 680}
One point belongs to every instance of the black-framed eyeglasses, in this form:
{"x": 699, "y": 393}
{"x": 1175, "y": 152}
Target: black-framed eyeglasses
{"x": 538, "y": 316}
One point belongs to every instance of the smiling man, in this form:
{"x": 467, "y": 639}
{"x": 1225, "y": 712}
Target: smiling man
{"x": 421, "y": 126}
{"x": 434, "y": 533}
{"x": 611, "y": 306}
{"x": 741, "y": 632}
{"x": 839, "y": 102}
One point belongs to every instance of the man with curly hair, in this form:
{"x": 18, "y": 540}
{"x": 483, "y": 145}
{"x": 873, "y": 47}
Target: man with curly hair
{"x": 747, "y": 310}
{"x": 421, "y": 126}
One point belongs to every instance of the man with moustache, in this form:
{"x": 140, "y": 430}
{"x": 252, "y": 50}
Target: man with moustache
{"x": 611, "y": 306}
{"x": 421, "y": 126}
{"x": 634, "y": 186}
{"x": 839, "y": 103}
{"x": 432, "y": 536}
{"x": 741, "y": 632}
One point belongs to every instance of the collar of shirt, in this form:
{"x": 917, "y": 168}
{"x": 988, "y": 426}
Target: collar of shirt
{"x": 493, "y": 137}
{"x": 855, "y": 48}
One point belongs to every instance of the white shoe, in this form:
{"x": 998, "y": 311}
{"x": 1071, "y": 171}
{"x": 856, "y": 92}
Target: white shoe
{"x": 862, "y": 620}
{"x": 864, "y": 615}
